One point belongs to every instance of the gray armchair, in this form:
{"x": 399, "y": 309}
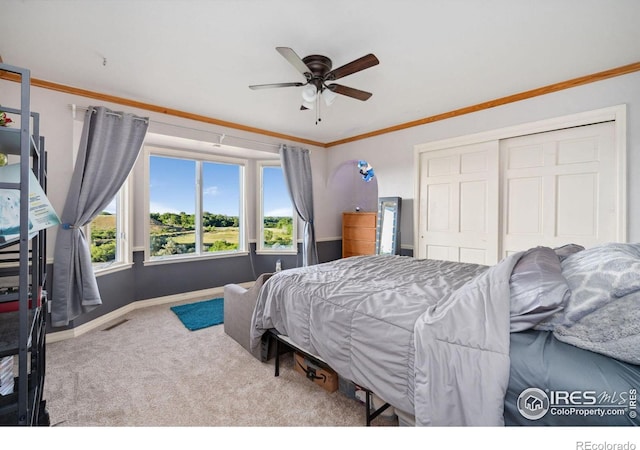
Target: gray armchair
{"x": 239, "y": 304}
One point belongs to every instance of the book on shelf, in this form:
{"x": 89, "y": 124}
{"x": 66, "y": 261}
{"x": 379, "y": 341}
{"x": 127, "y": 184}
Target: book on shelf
{"x": 6, "y": 363}
{"x": 6, "y": 375}
{"x": 6, "y": 390}
{"x": 6, "y": 378}
{"x": 41, "y": 213}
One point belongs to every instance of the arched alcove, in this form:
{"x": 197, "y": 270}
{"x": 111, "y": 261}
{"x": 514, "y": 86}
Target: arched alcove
{"x": 350, "y": 191}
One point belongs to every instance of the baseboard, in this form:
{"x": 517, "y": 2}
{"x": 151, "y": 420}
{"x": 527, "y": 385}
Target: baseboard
{"x": 113, "y": 315}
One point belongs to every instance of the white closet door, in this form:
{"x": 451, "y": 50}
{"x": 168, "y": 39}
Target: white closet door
{"x": 559, "y": 187}
{"x": 458, "y": 210}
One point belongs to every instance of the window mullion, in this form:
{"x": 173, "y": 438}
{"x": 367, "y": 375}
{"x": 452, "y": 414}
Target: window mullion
{"x": 242, "y": 232}
{"x": 119, "y": 230}
{"x": 198, "y": 212}
{"x": 260, "y": 233}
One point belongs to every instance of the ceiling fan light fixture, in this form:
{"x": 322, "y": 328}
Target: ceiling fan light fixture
{"x": 309, "y": 93}
{"x": 309, "y": 105}
{"x": 329, "y": 96}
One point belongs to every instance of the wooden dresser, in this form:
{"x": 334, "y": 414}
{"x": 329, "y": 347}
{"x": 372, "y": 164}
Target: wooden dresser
{"x": 358, "y": 233}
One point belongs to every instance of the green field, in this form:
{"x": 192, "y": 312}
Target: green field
{"x": 170, "y": 239}
{"x": 229, "y": 234}
{"x": 104, "y": 222}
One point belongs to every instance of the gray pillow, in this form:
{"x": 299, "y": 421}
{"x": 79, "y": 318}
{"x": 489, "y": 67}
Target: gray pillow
{"x": 599, "y": 275}
{"x": 567, "y": 250}
{"x": 538, "y": 289}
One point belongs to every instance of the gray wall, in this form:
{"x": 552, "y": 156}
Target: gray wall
{"x": 142, "y": 282}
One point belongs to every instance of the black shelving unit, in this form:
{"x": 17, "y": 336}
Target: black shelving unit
{"x": 23, "y": 294}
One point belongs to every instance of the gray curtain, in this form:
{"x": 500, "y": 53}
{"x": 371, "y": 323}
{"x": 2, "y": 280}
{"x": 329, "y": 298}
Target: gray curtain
{"x": 296, "y": 167}
{"x": 108, "y": 149}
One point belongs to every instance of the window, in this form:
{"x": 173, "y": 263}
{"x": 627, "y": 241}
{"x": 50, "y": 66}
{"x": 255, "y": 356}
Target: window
{"x": 196, "y": 205}
{"x": 277, "y": 226}
{"x": 108, "y": 234}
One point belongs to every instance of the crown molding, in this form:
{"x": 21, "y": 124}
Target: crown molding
{"x": 592, "y": 78}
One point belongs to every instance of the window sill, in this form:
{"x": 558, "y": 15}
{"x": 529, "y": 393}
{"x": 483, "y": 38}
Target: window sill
{"x": 112, "y": 269}
{"x": 276, "y": 252}
{"x": 192, "y": 258}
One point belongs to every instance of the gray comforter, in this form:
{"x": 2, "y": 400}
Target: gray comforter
{"x": 429, "y": 337}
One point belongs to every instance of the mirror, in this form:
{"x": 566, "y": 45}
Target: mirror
{"x": 388, "y": 228}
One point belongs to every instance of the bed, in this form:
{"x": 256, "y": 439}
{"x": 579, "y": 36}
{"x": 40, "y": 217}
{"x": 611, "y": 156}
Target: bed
{"x": 544, "y": 337}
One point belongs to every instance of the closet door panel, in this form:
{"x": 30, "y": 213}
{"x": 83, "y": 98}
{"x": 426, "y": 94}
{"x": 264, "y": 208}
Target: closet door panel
{"x": 524, "y": 206}
{"x": 458, "y": 209}
{"x": 439, "y": 208}
{"x": 473, "y": 206}
{"x": 560, "y": 187}
{"x": 577, "y": 206}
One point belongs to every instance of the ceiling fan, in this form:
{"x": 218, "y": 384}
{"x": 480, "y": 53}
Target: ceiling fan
{"x": 317, "y": 70}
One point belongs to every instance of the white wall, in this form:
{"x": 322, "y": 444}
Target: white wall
{"x": 392, "y": 154}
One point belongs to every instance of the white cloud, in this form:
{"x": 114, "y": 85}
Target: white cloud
{"x": 279, "y": 212}
{"x": 211, "y": 190}
{"x": 160, "y": 208}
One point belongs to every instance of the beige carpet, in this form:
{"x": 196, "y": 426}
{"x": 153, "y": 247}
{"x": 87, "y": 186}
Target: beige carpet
{"x": 151, "y": 371}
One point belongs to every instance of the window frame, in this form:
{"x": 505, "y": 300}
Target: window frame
{"x": 124, "y": 247}
{"x": 260, "y": 249}
{"x": 199, "y": 158}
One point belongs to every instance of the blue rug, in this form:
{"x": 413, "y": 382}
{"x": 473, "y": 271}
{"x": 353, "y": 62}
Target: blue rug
{"x": 196, "y": 316}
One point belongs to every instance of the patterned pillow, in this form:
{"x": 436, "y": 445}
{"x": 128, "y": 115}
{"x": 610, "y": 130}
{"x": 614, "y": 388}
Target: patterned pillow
{"x": 598, "y": 275}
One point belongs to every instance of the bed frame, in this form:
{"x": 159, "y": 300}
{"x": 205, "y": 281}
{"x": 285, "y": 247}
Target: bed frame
{"x": 284, "y": 345}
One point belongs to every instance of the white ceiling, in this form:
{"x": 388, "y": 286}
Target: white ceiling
{"x": 201, "y": 56}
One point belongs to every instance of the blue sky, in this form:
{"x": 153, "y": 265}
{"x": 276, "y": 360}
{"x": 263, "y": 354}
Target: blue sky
{"x": 172, "y": 188}
{"x": 276, "y": 197}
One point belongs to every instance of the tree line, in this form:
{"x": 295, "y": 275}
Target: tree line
{"x": 188, "y": 221}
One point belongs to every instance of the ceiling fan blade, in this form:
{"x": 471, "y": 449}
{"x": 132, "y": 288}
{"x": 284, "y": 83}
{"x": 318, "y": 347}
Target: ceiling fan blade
{"x": 350, "y": 92}
{"x": 354, "y": 66}
{"x": 275, "y": 85}
{"x": 295, "y": 61}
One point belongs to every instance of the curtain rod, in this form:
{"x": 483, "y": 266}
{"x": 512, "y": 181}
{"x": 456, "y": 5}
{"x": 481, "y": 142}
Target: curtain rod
{"x": 109, "y": 113}
{"x": 221, "y": 136}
